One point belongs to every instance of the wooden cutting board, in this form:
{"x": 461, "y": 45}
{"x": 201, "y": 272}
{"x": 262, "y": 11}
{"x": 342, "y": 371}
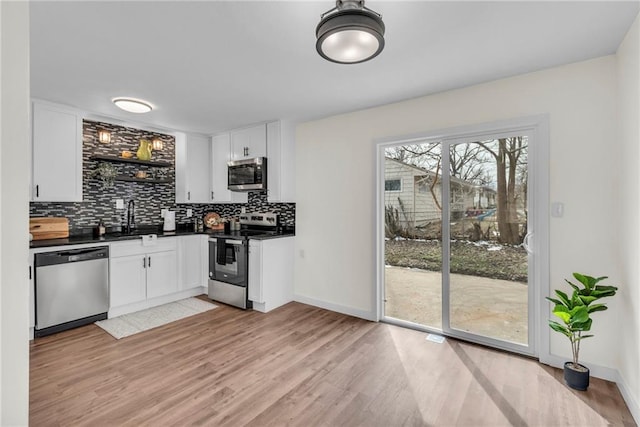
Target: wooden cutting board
{"x": 48, "y": 228}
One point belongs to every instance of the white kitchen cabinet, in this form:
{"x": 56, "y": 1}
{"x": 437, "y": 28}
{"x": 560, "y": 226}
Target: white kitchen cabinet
{"x": 193, "y": 261}
{"x": 280, "y": 161}
{"x": 270, "y": 273}
{"x": 162, "y": 276}
{"x": 139, "y": 272}
{"x": 220, "y": 155}
{"x": 127, "y": 280}
{"x": 193, "y": 169}
{"x": 56, "y": 154}
{"x": 32, "y": 298}
{"x": 249, "y": 142}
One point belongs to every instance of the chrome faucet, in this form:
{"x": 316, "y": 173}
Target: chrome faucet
{"x": 131, "y": 216}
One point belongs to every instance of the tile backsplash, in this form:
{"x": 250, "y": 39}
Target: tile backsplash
{"x": 99, "y": 203}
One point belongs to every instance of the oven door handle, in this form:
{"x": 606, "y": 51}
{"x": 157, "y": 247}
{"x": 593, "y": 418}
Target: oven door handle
{"x": 230, "y": 242}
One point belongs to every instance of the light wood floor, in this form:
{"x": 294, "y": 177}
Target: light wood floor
{"x": 302, "y": 366}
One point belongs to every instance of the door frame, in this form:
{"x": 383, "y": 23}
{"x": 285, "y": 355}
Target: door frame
{"x": 537, "y": 127}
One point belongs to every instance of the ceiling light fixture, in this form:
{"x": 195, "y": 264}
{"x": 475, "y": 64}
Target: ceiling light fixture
{"x": 350, "y": 33}
{"x": 132, "y": 105}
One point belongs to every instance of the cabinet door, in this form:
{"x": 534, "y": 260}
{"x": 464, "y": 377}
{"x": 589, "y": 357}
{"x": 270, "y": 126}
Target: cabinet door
{"x": 255, "y": 271}
{"x": 162, "y": 274}
{"x": 127, "y": 280}
{"x": 249, "y": 143}
{"x": 32, "y": 299}
{"x": 193, "y": 169}
{"x": 220, "y": 155}
{"x": 57, "y": 154}
{"x": 198, "y": 169}
{"x": 273, "y": 161}
{"x": 191, "y": 268}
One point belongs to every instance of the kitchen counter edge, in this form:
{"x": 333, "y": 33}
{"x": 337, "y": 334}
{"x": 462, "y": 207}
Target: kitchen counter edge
{"x": 81, "y": 240}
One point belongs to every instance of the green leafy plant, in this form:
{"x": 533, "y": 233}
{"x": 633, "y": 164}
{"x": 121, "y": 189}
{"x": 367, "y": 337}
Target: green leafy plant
{"x": 575, "y": 311}
{"x": 106, "y": 173}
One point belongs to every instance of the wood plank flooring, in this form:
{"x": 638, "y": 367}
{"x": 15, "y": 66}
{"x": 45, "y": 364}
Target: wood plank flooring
{"x": 300, "y": 366}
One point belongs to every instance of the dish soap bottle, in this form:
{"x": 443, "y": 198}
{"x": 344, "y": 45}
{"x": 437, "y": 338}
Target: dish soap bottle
{"x": 100, "y": 229}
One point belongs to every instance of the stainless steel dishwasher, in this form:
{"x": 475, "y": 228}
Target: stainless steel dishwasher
{"x": 71, "y": 288}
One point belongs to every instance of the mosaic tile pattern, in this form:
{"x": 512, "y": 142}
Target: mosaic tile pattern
{"x": 256, "y": 202}
{"x": 149, "y": 198}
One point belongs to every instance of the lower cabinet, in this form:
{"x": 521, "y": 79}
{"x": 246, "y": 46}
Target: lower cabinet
{"x": 193, "y": 261}
{"x": 138, "y": 272}
{"x": 270, "y": 273}
{"x": 127, "y": 279}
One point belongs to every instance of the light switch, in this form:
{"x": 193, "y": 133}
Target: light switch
{"x": 119, "y": 204}
{"x": 557, "y": 209}
{"x": 189, "y": 213}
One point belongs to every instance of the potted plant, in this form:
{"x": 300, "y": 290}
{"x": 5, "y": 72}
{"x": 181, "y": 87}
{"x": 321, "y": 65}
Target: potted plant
{"x": 575, "y": 313}
{"x": 106, "y": 173}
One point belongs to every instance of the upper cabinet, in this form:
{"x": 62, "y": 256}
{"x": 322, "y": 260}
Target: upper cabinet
{"x": 193, "y": 169}
{"x": 273, "y": 140}
{"x": 220, "y": 155}
{"x": 57, "y": 153}
{"x": 249, "y": 142}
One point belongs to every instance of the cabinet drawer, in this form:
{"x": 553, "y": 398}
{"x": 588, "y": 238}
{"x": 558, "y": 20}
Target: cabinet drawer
{"x": 135, "y": 247}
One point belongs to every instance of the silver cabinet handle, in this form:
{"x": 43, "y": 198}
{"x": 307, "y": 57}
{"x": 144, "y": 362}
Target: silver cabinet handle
{"x": 144, "y": 262}
{"x": 212, "y": 195}
{"x": 149, "y": 261}
{"x": 37, "y": 191}
{"x": 188, "y": 195}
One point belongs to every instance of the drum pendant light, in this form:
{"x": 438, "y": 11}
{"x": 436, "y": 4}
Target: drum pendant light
{"x": 350, "y": 33}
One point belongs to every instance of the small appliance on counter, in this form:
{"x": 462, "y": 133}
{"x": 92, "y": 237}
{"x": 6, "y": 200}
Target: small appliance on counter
{"x": 169, "y": 221}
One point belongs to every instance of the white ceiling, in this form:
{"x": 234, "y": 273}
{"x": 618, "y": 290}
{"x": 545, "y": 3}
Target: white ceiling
{"x": 211, "y": 66}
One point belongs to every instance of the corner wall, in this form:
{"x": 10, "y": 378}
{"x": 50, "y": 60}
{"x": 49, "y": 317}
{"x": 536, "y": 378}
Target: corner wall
{"x": 628, "y": 61}
{"x": 14, "y": 213}
{"x": 335, "y": 160}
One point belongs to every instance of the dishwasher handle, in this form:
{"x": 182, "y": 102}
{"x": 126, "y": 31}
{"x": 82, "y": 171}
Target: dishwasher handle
{"x": 76, "y": 255}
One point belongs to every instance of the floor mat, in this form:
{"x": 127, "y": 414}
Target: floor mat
{"x": 132, "y": 323}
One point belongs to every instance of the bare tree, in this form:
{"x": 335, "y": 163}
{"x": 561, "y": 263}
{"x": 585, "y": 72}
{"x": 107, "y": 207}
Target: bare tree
{"x": 507, "y": 156}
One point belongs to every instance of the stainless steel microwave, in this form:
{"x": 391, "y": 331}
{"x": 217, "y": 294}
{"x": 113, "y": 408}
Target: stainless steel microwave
{"x": 248, "y": 174}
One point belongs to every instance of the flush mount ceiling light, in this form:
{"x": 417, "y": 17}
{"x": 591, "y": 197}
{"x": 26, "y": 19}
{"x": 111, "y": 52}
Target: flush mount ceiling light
{"x": 350, "y": 33}
{"x": 132, "y": 105}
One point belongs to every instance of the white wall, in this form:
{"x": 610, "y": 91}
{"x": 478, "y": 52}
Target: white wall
{"x": 335, "y": 224}
{"x": 14, "y": 213}
{"x": 628, "y": 58}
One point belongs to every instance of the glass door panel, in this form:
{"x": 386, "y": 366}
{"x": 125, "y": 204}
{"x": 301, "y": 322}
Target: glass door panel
{"x": 413, "y": 234}
{"x": 488, "y": 265}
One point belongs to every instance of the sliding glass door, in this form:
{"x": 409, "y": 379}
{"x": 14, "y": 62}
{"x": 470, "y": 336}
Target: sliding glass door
{"x": 456, "y": 226}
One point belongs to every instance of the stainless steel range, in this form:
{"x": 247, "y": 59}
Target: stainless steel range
{"x": 228, "y": 258}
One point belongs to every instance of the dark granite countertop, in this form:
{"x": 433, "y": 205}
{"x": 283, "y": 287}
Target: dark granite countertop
{"x": 87, "y": 238}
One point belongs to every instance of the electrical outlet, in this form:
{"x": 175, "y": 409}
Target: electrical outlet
{"x": 163, "y": 212}
{"x": 189, "y": 213}
{"x": 243, "y": 210}
{"x": 119, "y": 204}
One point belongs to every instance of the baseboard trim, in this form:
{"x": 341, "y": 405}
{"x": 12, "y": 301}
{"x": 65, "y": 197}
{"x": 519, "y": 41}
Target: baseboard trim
{"x": 629, "y": 399}
{"x": 363, "y": 314}
{"x": 597, "y": 371}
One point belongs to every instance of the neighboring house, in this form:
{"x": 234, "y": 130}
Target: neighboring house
{"x": 407, "y": 188}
